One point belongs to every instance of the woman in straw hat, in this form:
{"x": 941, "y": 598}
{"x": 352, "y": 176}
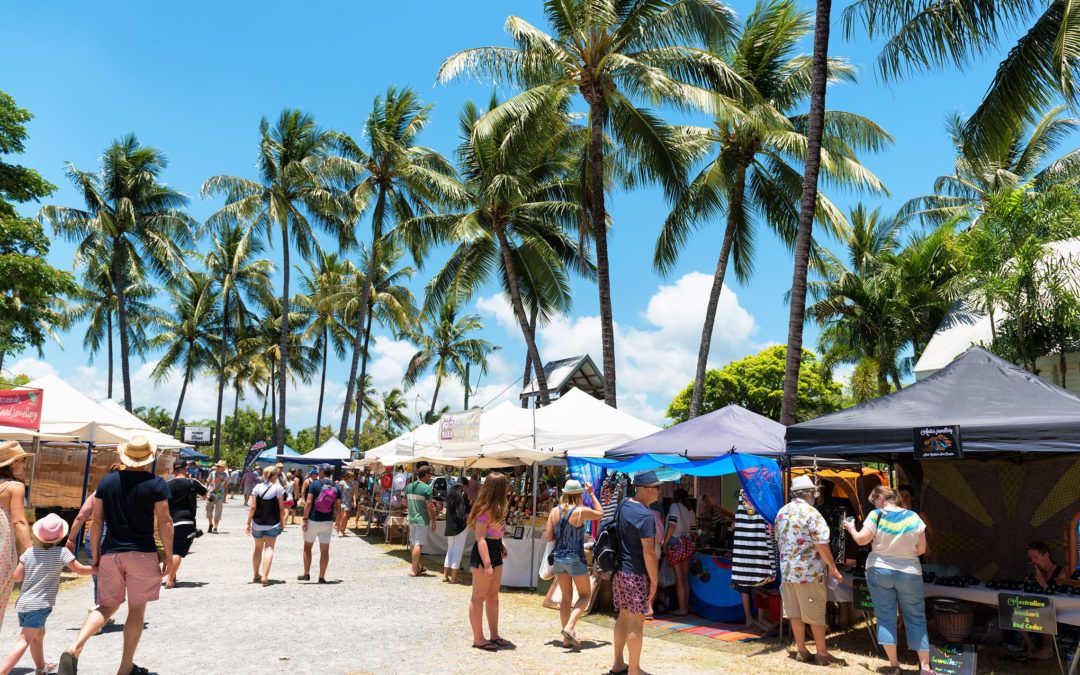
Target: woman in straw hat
{"x": 566, "y": 527}
{"x": 14, "y": 530}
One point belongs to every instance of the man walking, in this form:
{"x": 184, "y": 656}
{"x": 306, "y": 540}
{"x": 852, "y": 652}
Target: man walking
{"x": 126, "y": 503}
{"x": 217, "y": 485}
{"x": 183, "y": 505}
{"x": 249, "y": 480}
{"x": 803, "y": 540}
{"x": 421, "y": 509}
{"x": 321, "y": 507}
{"x": 635, "y": 580}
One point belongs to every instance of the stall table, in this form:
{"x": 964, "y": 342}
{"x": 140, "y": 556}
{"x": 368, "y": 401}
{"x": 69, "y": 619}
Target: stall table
{"x": 1067, "y": 607}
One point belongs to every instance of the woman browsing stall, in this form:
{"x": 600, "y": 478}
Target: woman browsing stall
{"x": 678, "y": 546}
{"x": 566, "y": 527}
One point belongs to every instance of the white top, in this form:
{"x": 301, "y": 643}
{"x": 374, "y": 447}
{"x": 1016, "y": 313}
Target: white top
{"x": 683, "y": 518}
{"x": 896, "y": 536}
{"x": 272, "y": 491}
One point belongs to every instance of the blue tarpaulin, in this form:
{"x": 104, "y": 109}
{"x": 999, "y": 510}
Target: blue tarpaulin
{"x": 192, "y": 455}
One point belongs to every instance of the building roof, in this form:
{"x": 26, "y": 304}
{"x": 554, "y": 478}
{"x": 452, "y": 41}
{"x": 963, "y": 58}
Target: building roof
{"x": 966, "y": 325}
{"x": 576, "y": 371}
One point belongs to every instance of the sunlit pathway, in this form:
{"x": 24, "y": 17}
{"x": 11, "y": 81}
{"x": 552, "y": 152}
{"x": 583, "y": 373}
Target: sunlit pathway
{"x": 372, "y": 618}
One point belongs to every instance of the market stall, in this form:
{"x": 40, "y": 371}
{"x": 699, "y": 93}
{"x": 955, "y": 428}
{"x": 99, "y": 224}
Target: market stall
{"x": 332, "y": 452}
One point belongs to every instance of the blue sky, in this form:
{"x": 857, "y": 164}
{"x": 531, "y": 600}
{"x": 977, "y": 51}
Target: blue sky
{"x": 194, "y": 78}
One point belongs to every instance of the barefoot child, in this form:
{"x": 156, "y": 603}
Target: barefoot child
{"x": 39, "y": 571}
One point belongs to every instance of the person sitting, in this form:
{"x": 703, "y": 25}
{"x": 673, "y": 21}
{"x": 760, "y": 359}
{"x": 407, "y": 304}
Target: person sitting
{"x": 1045, "y": 573}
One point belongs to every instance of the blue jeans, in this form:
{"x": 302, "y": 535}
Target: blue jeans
{"x": 888, "y": 589}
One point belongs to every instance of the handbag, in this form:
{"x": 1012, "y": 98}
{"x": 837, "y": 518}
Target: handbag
{"x": 679, "y": 550}
{"x": 546, "y": 563}
{"x": 667, "y": 574}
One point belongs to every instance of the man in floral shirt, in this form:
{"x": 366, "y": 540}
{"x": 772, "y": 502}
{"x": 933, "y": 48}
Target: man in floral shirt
{"x": 803, "y": 539}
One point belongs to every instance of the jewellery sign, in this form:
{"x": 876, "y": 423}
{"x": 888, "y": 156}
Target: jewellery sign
{"x": 941, "y": 442}
{"x": 21, "y": 408}
{"x": 1029, "y": 613}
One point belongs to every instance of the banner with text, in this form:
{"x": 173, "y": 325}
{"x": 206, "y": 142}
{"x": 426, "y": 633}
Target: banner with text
{"x": 938, "y": 442}
{"x": 21, "y": 408}
{"x": 459, "y": 432}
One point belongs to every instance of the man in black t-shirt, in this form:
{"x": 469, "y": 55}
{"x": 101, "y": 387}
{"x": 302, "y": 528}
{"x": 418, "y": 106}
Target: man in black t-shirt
{"x": 183, "y": 506}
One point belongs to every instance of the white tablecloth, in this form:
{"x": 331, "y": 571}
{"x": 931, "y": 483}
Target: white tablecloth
{"x": 1067, "y": 607}
{"x": 517, "y": 572}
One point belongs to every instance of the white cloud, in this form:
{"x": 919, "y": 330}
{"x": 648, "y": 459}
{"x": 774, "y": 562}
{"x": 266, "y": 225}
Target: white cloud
{"x": 31, "y": 367}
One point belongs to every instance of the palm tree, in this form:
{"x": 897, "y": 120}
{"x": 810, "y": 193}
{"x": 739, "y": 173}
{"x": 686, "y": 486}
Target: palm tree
{"x": 446, "y": 349}
{"x": 319, "y": 287}
{"x": 815, "y": 128}
{"x": 293, "y": 191}
{"x": 239, "y": 273}
{"x": 94, "y": 300}
{"x": 977, "y": 176}
{"x": 186, "y": 334}
{"x": 129, "y": 213}
{"x": 402, "y": 178}
{"x": 1039, "y": 68}
{"x": 757, "y": 140}
{"x": 612, "y": 52}
{"x": 518, "y": 182}
{"x": 366, "y": 398}
{"x": 394, "y": 410}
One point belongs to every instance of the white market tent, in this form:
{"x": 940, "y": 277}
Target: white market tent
{"x": 332, "y": 451}
{"x": 19, "y": 434}
{"x": 161, "y": 439}
{"x": 579, "y": 425}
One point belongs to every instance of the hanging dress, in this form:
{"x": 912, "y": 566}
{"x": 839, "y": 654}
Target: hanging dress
{"x": 8, "y": 557}
{"x": 753, "y": 560}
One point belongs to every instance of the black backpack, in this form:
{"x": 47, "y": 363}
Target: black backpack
{"x": 606, "y": 548}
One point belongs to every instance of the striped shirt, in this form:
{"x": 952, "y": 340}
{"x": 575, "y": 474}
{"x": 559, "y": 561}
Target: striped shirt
{"x": 41, "y": 576}
{"x": 753, "y": 558}
{"x": 896, "y": 534}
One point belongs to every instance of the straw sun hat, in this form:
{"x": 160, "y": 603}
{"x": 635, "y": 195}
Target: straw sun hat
{"x": 11, "y": 452}
{"x": 139, "y": 451}
{"x": 50, "y": 529}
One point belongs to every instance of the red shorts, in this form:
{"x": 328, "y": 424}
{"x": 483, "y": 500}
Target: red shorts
{"x": 631, "y": 592}
{"x": 132, "y": 574}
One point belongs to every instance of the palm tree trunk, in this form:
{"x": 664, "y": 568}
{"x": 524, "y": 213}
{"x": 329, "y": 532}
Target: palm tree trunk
{"x": 597, "y": 115}
{"x": 223, "y": 355}
{"x": 283, "y": 343}
{"x": 273, "y": 406}
{"x": 1063, "y": 366}
{"x": 363, "y": 379}
{"x": 121, "y": 317}
{"x": 814, "y": 127}
{"x": 365, "y": 295}
{"x": 266, "y": 397}
{"x": 235, "y": 413}
{"x": 734, "y": 208}
{"x": 180, "y": 403}
{"x": 528, "y": 358}
{"x": 435, "y": 397}
{"x": 322, "y": 384}
{"x": 522, "y": 318}
{"x": 2, "y": 354}
{"x": 108, "y": 326}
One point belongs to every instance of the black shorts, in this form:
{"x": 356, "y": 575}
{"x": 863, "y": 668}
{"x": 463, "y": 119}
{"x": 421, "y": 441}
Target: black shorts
{"x": 183, "y": 535}
{"x": 494, "y": 547}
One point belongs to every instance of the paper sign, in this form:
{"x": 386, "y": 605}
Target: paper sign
{"x": 460, "y": 430}
{"x": 862, "y": 595}
{"x": 939, "y": 442}
{"x": 951, "y": 659}
{"x": 1030, "y": 613}
{"x": 21, "y": 408}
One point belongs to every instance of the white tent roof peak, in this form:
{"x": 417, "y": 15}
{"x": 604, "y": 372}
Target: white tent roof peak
{"x": 331, "y": 449}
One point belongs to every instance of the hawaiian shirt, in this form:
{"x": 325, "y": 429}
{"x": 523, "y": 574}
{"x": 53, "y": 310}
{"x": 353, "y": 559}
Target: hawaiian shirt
{"x": 799, "y": 528}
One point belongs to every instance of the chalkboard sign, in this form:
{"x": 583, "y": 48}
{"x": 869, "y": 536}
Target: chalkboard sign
{"x": 950, "y": 659}
{"x": 941, "y": 442}
{"x": 1031, "y": 613}
{"x": 862, "y": 595}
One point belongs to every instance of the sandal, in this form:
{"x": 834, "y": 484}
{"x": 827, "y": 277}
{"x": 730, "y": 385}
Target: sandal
{"x": 47, "y": 670}
{"x": 574, "y": 642}
{"x": 501, "y": 643}
{"x": 623, "y": 671}
{"x": 266, "y": 582}
{"x": 487, "y": 647}
{"x": 803, "y": 658}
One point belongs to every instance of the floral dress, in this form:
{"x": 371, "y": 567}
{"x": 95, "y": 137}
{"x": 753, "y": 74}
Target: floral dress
{"x": 8, "y": 557}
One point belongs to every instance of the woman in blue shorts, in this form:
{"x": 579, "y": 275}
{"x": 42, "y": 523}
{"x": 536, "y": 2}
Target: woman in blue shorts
{"x": 566, "y": 527}
{"x": 266, "y": 520}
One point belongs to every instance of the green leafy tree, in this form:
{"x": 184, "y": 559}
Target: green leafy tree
{"x": 761, "y": 139}
{"x": 29, "y": 311}
{"x": 154, "y": 415}
{"x": 756, "y": 382}
{"x": 129, "y": 212}
{"x": 245, "y": 428}
{"x": 613, "y": 53}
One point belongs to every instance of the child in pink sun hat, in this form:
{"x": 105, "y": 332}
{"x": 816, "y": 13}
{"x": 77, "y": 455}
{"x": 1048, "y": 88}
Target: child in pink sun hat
{"x": 39, "y": 571}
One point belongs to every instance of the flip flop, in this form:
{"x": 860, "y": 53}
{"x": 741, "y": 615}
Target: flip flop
{"x": 574, "y": 642}
{"x": 624, "y": 671}
{"x": 502, "y": 643}
{"x": 487, "y": 647}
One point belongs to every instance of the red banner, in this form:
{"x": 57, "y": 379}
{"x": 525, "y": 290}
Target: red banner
{"x": 21, "y": 408}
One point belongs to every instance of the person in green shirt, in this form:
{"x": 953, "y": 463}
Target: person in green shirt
{"x": 421, "y": 515}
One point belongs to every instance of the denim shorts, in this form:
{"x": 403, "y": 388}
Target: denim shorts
{"x": 272, "y": 532}
{"x": 34, "y": 618}
{"x": 573, "y": 566}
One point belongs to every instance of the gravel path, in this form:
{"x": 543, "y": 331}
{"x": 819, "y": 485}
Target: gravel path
{"x": 374, "y": 618}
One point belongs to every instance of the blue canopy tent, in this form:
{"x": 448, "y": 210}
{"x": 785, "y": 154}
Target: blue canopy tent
{"x": 192, "y": 455}
{"x": 270, "y": 455}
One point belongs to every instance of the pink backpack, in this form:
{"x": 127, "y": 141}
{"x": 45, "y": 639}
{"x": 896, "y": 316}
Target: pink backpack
{"x": 324, "y": 503}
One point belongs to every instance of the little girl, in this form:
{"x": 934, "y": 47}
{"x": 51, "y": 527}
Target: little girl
{"x": 39, "y": 571}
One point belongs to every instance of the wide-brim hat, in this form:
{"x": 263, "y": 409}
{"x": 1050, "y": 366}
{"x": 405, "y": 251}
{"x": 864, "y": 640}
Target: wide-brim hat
{"x": 50, "y": 529}
{"x": 11, "y": 452}
{"x": 139, "y": 451}
{"x": 222, "y": 464}
{"x": 572, "y": 487}
{"x": 800, "y": 483}
{"x": 646, "y": 479}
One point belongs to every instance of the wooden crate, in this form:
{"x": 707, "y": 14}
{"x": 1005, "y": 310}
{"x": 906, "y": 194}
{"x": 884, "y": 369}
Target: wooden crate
{"x": 57, "y": 478}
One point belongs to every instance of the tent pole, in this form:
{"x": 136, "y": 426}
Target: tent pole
{"x": 532, "y": 535}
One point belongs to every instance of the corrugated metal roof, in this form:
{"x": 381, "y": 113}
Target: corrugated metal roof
{"x": 578, "y": 371}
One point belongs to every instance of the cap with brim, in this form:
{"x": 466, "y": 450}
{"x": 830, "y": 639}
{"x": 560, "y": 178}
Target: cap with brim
{"x": 11, "y": 452}
{"x": 646, "y": 479}
{"x": 50, "y": 529}
{"x": 139, "y": 451}
{"x": 179, "y": 464}
{"x": 572, "y": 487}
{"x": 462, "y": 480}
{"x": 800, "y": 483}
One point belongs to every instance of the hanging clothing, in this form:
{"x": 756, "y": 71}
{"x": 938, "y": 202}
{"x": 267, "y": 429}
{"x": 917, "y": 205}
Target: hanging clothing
{"x": 753, "y": 559}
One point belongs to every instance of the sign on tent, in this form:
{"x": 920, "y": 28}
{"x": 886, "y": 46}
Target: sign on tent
{"x": 21, "y": 408}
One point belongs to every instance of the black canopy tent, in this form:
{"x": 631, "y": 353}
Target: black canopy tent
{"x": 999, "y": 408}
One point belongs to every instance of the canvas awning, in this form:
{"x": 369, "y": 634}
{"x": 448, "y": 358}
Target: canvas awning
{"x": 19, "y": 434}
{"x": 332, "y": 451}
{"x": 711, "y": 435}
{"x": 582, "y": 426}
{"x": 998, "y": 407}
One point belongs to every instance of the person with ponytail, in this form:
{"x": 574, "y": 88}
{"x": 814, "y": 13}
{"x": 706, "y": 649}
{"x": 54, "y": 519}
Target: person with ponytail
{"x": 486, "y": 519}
{"x": 679, "y": 546}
